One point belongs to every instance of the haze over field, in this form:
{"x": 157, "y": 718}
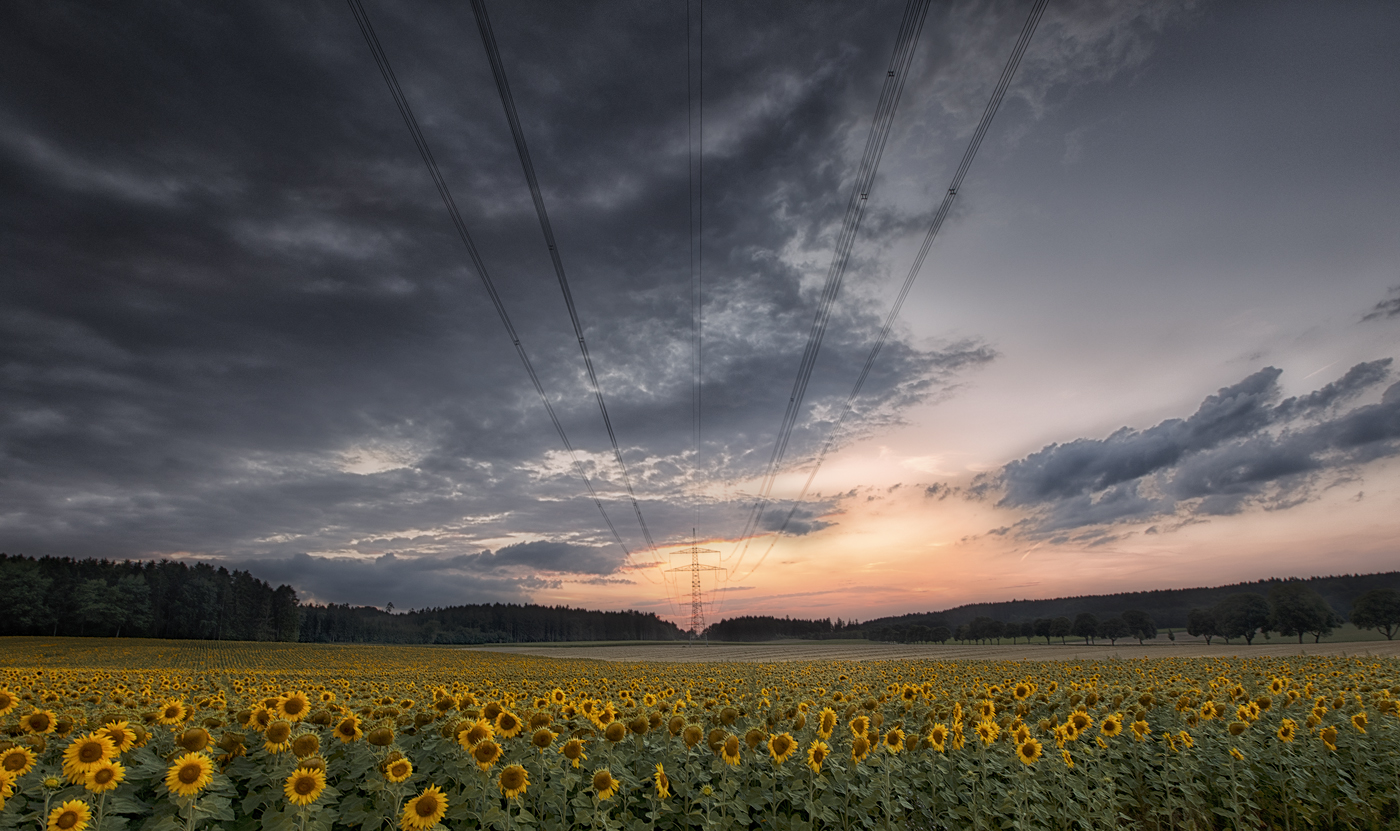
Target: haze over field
{"x": 1152, "y": 347}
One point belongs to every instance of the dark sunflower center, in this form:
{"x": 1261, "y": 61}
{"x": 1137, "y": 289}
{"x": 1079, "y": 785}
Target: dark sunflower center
{"x": 189, "y": 774}
{"x": 305, "y": 785}
{"x": 427, "y": 805}
{"x": 103, "y": 776}
{"x": 67, "y": 819}
{"x": 90, "y": 752}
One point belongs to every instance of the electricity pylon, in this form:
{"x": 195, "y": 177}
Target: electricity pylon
{"x": 697, "y": 606}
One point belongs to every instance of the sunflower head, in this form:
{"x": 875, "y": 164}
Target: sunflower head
{"x": 486, "y": 754}
{"x": 1112, "y": 725}
{"x": 780, "y": 747}
{"x": 87, "y": 752}
{"x": 826, "y": 723}
{"x": 190, "y": 774}
{"x": 398, "y": 770}
{"x": 1359, "y": 721}
{"x": 543, "y": 738}
{"x": 348, "y": 730}
{"x": 72, "y": 815}
{"x": 293, "y": 706}
{"x": 479, "y": 731}
{"x": 39, "y": 722}
{"x": 860, "y": 748}
{"x": 938, "y": 737}
{"x": 508, "y": 724}
{"x": 513, "y": 781}
{"x": 8, "y": 701}
{"x": 105, "y": 776}
{"x": 1237, "y": 727}
{"x": 194, "y": 739}
{"x": 893, "y": 741}
{"x": 604, "y": 785}
{"x": 304, "y": 785}
{"x": 17, "y": 761}
{"x": 307, "y": 744}
{"x": 1028, "y": 751}
{"x": 816, "y": 755}
{"x": 615, "y": 732}
{"x": 692, "y": 734}
{"x": 573, "y": 751}
{"x": 424, "y": 810}
{"x": 1328, "y": 735}
{"x": 172, "y": 711}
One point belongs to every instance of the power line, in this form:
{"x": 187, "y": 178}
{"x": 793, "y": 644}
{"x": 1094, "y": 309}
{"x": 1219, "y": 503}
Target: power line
{"x": 897, "y": 73}
{"x": 381, "y": 59}
{"x": 1027, "y": 31}
{"x": 493, "y": 54}
{"x": 695, "y": 122}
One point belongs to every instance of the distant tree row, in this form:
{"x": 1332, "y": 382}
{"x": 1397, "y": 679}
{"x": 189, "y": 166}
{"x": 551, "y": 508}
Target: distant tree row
{"x": 764, "y": 628}
{"x": 1132, "y": 623}
{"x": 1168, "y": 607}
{"x": 63, "y": 596}
{"x": 1291, "y": 609}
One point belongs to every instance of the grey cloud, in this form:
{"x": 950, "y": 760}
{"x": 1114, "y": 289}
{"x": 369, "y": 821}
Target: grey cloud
{"x": 1240, "y": 449}
{"x": 1387, "y": 308}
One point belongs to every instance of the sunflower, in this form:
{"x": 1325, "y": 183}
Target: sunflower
{"x": 39, "y": 722}
{"x": 663, "y": 782}
{"x": 380, "y": 736}
{"x": 1235, "y": 728}
{"x": 8, "y": 702}
{"x": 194, "y": 739}
{"x": 860, "y": 748}
{"x": 480, "y": 731}
{"x": 1079, "y": 722}
{"x": 85, "y": 753}
{"x": 543, "y": 738}
{"x": 817, "y": 752}
{"x": 987, "y": 709}
{"x": 1287, "y": 729}
{"x": 105, "y": 776}
{"x": 557, "y": 696}
{"x": 486, "y": 754}
{"x": 615, "y": 732}
{"x": 573, "y": 751}
{"x": 780, "y": 747}
{"x": 398, "y": 770}
{"x": 72, "y": 815}
{"x": 508, "y": 724}
{"x": 307, "y": 744}
{"x": 1140, "y": 730}
{"x": 1112, "y": 725}
{"x": 348, "y": 730}
{"x": 893, "y": 741}
{"x": 938, "y": 737}
{"x": 17, "y": 761}
{"x": 987, "y": 730}
{"x": 1185, "y": 738}
{"x": 190, "y": 774}
{"x": 826, "y": 723}
{"x": 859, "y": 725}
{"x": 277, "y": 738}
{"x": 1359, "y": 721}
{"x": 513, "y": 781}
{"x": 730, "y": 750}
{"x": 1329, "y": 737}
{"x": 172, "y": 711}
{"x": 604, "y": 784}
{"x": 304, "y": 786}
{"x": 424, "y": 810}
{"x": 1028, "y": 751}
{"x": 293, "y": 706}
{"x": 1236, "y": 754}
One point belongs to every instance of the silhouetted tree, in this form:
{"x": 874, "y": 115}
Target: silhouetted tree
{"x": 1295, "y": 609}
{"x": 1061, "y": 628}
{"x": 1086, "y": 626}
{"x": 1140, "y": 625}
{"x": 1200, "y": 623}
{"x": 1242, "y": 615}
{"x": 1378, "y": 609}
{"x": 1113, "y": 628}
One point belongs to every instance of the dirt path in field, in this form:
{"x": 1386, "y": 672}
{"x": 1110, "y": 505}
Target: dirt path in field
{"x": 818, "y": 651}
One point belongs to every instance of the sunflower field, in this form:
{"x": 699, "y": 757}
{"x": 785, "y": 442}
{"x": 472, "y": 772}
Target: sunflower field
{"x": 161, "y": 735}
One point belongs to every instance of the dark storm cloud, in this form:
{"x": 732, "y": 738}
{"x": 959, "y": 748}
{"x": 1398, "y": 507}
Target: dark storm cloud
{"x": 1242, "y": 447}
{"x": 236, "y": 323}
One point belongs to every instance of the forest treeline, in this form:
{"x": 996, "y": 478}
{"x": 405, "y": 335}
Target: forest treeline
{"x": 1291, "y": 607}
{"x": 63, "y": 596}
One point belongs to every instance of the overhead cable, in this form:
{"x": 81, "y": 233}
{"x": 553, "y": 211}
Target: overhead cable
{"x": 1027, "y": 31}
{"x": 897, "y": 73}
{"x": 381, "y": 59}
{"x": 498, "y": 71}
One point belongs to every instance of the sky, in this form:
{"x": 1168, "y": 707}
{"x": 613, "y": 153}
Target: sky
{"x": 1153, "y": 345}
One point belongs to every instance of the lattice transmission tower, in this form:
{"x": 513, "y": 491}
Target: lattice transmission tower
{"x": 697, "y": 603}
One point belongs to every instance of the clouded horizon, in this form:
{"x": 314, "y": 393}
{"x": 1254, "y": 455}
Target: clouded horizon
{"x": 1153, "y": 345}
